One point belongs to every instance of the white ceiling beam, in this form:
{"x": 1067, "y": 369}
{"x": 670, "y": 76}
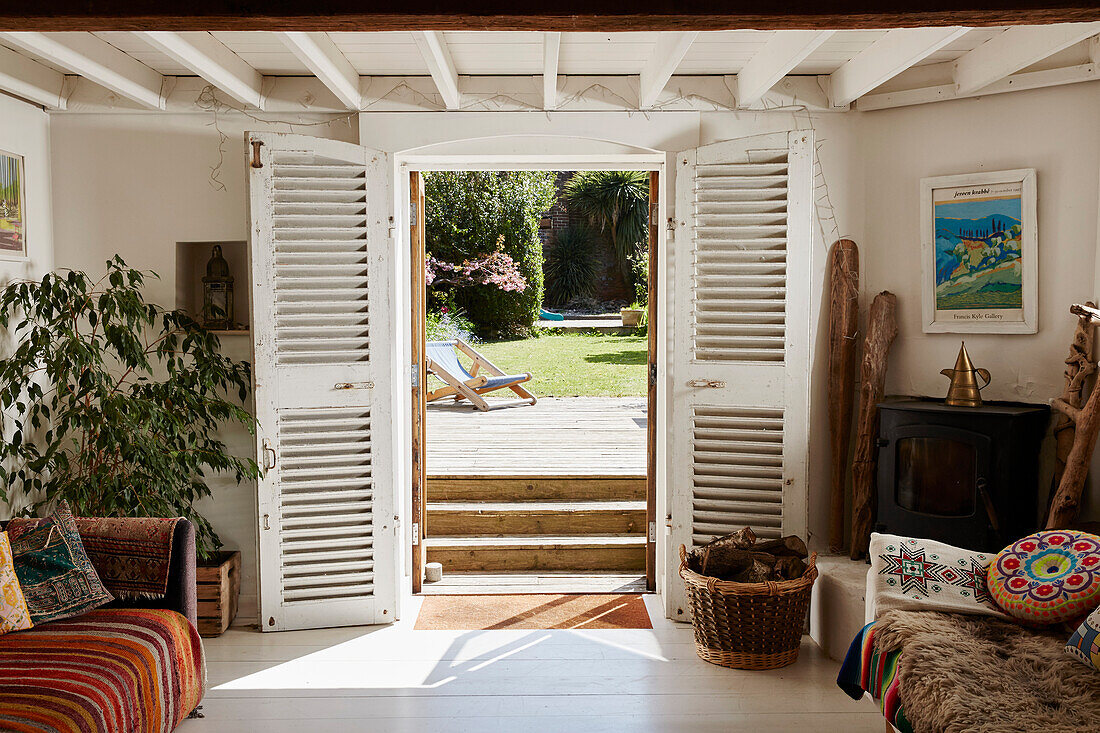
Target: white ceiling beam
{"x": 1016, "y": 49}
{"x": 327, "y": 62}
{"x": 212, "y": 60}
{"x": 31, "y": 80}
{"x": 1017, "y": 82}
{"x": 667, "y": 53}
{"x": 884, "y": 59}
{"x": 97, "y": 61}
{"x": 551, "y": 48}
{"x": 783, "y": 51}
{"x": 437, "y": 56}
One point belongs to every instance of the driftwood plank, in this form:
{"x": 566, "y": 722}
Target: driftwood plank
{"x": 843, "y": 329}
{"x": 882, "y": 328}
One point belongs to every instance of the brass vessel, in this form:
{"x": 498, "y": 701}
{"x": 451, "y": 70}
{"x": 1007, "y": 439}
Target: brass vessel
{"x": 964, "y": 390}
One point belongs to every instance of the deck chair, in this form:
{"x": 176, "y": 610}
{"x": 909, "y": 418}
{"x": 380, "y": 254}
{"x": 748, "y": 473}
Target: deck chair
{"x": 470, "y": 385}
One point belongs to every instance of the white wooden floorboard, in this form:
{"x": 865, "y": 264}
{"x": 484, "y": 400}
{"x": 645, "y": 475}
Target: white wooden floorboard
{"x": 466, "y": 583}
{"x": 573, "y": 436}
{"x": 397, "y": 679}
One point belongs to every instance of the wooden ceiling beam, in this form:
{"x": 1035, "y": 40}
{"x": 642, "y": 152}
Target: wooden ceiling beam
{"x": 776, "y": 59}
{"x": 327, "y": 62}
{"x": 31, "y": 80}
{"x": 209, "y": 58}
{"x": 665, "y": 57}
{"x": 886, "y": 58}
{"x": 434, "y": 51}
{"x": 563, "y": 15}
{"x": 97, "y": 61}
{"x": 551, "y": 49}
{"x": 1013, "y": 50}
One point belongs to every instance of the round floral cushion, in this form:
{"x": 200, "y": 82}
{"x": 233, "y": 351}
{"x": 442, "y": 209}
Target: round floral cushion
{"x": 1047, "y": 577}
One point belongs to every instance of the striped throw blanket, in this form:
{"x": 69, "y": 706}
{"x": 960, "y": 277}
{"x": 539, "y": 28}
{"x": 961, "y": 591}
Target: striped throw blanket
{"x": 110, "y": 670}
{"x": 867, "y": 670}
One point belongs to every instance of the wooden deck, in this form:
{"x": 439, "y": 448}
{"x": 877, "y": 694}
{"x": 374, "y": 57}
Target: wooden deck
{"x": 578, "y": 436}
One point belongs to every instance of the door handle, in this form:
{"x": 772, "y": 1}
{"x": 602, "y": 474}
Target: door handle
{"x": 353, "y": 385}
{"x": 268, "y": 450}
{"x": 708, "y": 383}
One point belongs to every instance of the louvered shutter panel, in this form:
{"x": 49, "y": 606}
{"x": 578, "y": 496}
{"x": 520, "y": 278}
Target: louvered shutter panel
{"x": 740, "y": 366}
{"x": 322, "y": 289}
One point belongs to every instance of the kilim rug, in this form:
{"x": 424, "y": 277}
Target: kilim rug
{"x": 132, "y": 556}
{"x": 535, "y": 611}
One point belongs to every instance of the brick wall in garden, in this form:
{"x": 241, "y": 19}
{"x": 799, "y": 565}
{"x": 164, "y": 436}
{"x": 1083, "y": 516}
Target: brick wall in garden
{"x": 610, "y": 284}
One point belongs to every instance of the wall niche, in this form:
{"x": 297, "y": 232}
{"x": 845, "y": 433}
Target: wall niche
{"x": 191, "y": 259}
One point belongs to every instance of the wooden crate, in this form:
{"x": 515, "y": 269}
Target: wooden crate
{"x": 219, "y": 587}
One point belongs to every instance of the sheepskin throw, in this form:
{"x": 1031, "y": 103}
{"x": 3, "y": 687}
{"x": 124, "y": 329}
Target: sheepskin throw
{"x": 970, "y": 674}
{"x": 916, "y": 574}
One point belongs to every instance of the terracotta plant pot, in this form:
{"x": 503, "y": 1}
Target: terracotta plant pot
{"x": 632, "y": 317}
{"x": 219, "y": 588}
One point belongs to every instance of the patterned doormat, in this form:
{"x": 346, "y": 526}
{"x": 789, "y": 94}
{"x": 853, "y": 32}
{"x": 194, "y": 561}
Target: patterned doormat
{"x": 537, "y": 611}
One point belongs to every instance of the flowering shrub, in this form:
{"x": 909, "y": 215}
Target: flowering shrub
{"x": 496, "y": 269}
{"x": 482, "y": 239}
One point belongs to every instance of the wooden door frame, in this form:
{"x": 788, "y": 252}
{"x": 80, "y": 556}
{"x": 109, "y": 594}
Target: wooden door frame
{"x": 411, "y": 168}
{"x": 419, "y": 365}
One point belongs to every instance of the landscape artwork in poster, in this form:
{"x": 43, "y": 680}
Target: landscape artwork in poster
{"x": 12, "y": 221}
{"x": 979, "y": 243}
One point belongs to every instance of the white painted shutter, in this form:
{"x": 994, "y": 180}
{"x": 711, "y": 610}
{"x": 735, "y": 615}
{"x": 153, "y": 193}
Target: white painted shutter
{"x": 322, "y": 294}
{"x": 740, "y": 366}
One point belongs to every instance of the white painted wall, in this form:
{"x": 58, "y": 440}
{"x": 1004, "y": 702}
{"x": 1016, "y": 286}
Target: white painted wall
{"x": 135, "y": 184}
{"x": 1056, "y": 131}
{"x": 25, "y": 130}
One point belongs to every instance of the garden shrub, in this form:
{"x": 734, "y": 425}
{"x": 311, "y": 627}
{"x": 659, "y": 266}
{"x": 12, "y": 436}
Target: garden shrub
{"x": 482, "y": 233}
{"x": 570, "y": 266}
{"x": 446, "y": 325}
{"x": 617, "y": 204}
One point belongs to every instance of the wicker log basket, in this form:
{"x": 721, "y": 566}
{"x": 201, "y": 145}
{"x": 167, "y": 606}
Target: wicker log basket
{"x": 748, "y": 625}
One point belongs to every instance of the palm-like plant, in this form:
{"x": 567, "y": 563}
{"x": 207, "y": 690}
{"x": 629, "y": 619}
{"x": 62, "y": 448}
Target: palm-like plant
{"x": 570, "y": 266}
{"x": 616, "y": 202}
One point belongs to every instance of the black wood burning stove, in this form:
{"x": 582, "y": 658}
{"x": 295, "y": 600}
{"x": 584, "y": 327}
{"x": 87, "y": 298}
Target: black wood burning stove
{"x": 967, "y": 476}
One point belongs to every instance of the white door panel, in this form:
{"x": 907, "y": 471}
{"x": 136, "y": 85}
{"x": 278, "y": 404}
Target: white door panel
{"x": 322, "y": 294}
{"x": 740, "y": 366}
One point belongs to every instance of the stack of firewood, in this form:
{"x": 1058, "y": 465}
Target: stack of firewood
{"x": 739, "y": 557}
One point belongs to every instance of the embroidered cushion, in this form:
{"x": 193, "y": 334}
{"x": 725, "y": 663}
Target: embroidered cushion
{"x": 14, "y": 614}
{"x": 1085, "y": 642}
{"x": 1048, "y": 577}
{"x": 57, "y": 578}
{"x": 924, "y": 575}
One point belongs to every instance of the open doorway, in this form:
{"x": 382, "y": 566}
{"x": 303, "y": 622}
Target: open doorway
{"x": 533, "y": 437}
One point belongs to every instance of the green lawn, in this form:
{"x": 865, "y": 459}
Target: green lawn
{"x": 574, "y": 365}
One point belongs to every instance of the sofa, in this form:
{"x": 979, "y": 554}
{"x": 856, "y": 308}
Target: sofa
{"x": 133, "y": 665}
{"x": 945, "y": 658}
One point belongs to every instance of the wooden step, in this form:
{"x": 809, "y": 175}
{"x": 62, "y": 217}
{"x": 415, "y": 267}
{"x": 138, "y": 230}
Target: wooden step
{"x": 595, "y": 552}
{"x": 452, "y": 519}
{"x": 535, "y": 488}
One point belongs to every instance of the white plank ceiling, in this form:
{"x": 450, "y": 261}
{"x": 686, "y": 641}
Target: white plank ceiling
{"x": 863, "y": 57}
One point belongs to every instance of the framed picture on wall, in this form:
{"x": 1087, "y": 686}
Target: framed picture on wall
{"x": 980, "y": 262}
{"x": 13, "y": 220}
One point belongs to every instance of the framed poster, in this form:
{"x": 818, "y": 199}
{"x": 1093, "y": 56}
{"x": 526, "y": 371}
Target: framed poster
{"x": 980, "y": 265}
{"x": 13, "y": 224}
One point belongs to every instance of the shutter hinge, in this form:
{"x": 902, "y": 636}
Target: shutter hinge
{"x": 416, "y": 533}
{"x": 413, "y": 218}
{"x": 414, "y": 376}
{"x": 652, "y": 531}
{"x": 652, "y": 375}
{"x": 671, "y": 224}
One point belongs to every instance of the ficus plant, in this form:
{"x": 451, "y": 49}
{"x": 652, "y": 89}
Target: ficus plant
{"x": 114, "y": 404}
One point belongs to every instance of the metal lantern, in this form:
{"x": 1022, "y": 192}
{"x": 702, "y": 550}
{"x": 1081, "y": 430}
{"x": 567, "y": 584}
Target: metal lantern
{"x": 217, "y": 293}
